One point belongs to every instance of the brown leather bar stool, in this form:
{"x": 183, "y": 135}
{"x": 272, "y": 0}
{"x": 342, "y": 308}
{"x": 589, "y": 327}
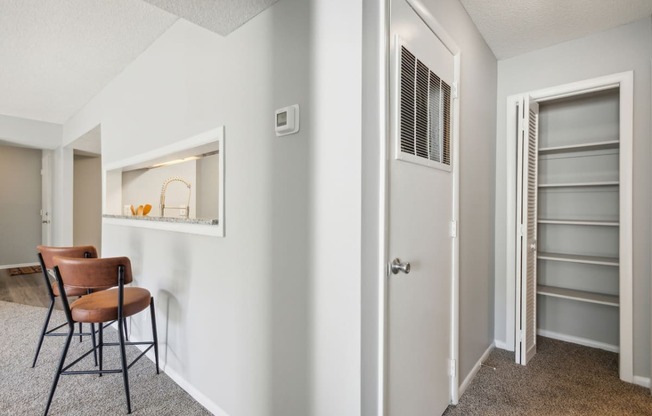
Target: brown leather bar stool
{"x": 115, "y": 303}
{"x": 45, "y": 257}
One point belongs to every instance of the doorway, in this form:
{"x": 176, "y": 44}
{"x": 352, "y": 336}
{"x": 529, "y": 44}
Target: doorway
{"x": 87, "y": 189}
{"x": 20, "y": 205}
{"x": 580, "y": 238}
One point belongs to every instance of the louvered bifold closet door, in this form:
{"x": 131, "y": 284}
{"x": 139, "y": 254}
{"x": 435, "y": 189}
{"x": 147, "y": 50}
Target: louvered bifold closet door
{"x": 528, "y": 144}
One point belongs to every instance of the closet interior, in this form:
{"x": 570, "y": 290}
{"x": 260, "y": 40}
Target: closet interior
{"x": 578, "y": 219}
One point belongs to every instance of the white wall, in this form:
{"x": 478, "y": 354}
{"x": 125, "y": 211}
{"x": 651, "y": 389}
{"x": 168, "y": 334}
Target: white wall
{"x": 624, "y": 48}
{"x": 83, "y": 122}
{"x": 335, "y": 205}
{"x": 30, "y": 133}
{"x": 86, "y": 122}
{"x": 265, "y": 321}
{"x": 20, "y": 204}
{"x": 87, "y": 201}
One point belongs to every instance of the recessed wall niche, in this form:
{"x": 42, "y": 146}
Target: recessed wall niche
{"x": 183, "y": 183}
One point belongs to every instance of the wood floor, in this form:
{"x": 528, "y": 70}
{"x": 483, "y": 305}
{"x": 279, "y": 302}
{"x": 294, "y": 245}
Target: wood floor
{"x": 28, "y": 289}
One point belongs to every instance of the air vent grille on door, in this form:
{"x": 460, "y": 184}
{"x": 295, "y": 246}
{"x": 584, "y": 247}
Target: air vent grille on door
{"x": 425, "y": 112}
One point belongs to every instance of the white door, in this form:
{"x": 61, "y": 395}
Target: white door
{"x": 46, "y": 197}
{"x": 420, "y": 213}
{"x": 526, "y": 228}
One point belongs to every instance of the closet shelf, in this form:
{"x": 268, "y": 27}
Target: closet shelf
{"x": 578, "y": 184}
{"x": 610, "y": 144}
{"x": 579, "y": 295}
{"x": 576, "y": 258}
{"x": 579, "y": 222}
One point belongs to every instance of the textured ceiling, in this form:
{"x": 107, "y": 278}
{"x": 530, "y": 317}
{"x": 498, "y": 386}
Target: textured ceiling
{"x": 56, "y": 55}
{"x": 513, "y": 27}
{"x": 219, "y": 16}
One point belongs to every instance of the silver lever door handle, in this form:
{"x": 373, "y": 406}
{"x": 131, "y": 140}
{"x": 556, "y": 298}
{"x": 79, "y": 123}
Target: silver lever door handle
{"x": 396, "y": 266}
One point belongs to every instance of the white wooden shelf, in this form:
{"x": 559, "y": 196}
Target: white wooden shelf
{"x": 576, "y": 258}
{"x": 610, "y": 144}
{"x": 579, "y": 222}
{"x": 578, "y": 184}
{"x": 579, "y": 295}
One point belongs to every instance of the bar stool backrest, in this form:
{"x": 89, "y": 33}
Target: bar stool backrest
{"x": 48, "y": 253}
{"x": 92, "y": 273}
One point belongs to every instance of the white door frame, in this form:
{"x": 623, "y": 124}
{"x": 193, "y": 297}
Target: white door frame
{"x": 625, "y": 82}
{"x": 47, "y": 161}
{"x": 448, "y": 42}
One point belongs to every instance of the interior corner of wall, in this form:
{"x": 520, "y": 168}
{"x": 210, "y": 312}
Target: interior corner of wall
{"x": 84, "y": 120}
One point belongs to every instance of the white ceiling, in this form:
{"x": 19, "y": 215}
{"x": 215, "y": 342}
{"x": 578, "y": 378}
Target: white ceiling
{"x": 219, "y": 16}
{"x": 513, "y": 27}
{"x": 56, "y": 55}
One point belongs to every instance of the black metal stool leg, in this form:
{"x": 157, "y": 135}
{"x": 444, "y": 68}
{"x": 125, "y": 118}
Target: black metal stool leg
{"x": 123, "y": 356}
{"x": 101, "y": 344}
{"x": 59, "y": 368}
{"x": 80, "y": 332}
{"x": 94, "y": 343}
{"x": 124, "y": 325}
{"x": 154, "y": 334}
{"x": 45, "y": 329}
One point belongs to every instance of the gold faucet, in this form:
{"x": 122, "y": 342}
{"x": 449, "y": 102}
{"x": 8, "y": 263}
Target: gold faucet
{"x": 164, "y": 188}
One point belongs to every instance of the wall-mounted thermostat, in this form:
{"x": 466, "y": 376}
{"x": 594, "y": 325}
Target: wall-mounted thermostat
{"x": 287, "y": 120}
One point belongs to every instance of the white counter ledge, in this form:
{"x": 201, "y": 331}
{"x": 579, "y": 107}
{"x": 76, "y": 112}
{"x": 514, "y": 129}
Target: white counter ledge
{"x": 202, "y": 226}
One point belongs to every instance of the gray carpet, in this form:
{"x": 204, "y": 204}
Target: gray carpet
{"x": 24, "y": 390}
{"x": 561, "y": 379}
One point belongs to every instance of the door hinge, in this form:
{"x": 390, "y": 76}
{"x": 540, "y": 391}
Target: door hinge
{"x": 521, "y": 230}
{"x": 454, "y": 90}
{"x": 452, "y": 367}
{"x": 453, "y": 229}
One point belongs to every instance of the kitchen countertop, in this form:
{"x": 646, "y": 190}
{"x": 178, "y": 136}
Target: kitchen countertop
{"x": 176, "y": 220}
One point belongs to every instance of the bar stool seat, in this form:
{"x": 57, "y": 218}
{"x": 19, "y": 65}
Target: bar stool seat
{"x": 103, "y": 306}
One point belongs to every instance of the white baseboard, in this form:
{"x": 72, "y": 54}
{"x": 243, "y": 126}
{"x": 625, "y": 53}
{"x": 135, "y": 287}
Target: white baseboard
{"x": 642, "y": 381}
{"x": 177, "y": 378}
{"x": 195, "y": 394}
{"x": 11, "y": 266}
{"x": 501, "y": 345}
{"x": 469, "y": 378}
{"x": 578, "y": 340}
